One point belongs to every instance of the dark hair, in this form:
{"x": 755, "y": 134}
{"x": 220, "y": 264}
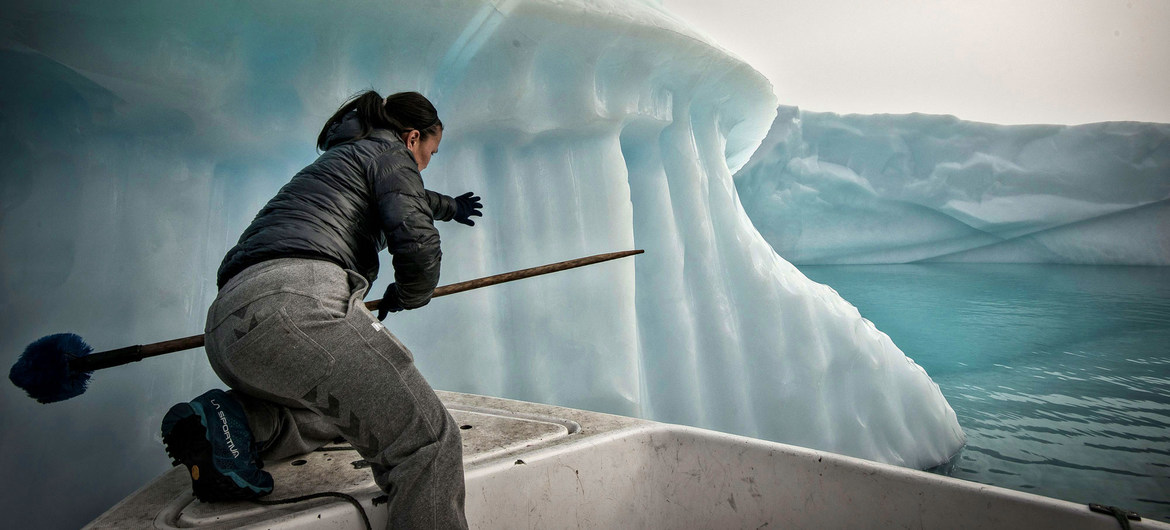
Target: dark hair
{"x": 400, "y": 113}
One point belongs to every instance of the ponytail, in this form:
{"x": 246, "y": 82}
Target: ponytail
{"x": 399, "y": 112}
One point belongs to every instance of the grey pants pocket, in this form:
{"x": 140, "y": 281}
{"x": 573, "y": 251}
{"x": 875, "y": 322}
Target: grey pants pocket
{"x": 277, "y": 358}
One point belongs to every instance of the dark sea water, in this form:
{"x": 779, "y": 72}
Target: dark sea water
{"x": 1060, "y": 375}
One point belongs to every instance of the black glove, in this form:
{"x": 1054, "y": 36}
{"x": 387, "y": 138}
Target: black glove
{"x": 391, "y": 302}
{"x": 467, "y": 205}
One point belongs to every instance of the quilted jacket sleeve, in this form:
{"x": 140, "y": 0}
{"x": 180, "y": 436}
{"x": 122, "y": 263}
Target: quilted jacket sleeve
{"x": 442, "y": 206}
{"x": 406, "y": 216}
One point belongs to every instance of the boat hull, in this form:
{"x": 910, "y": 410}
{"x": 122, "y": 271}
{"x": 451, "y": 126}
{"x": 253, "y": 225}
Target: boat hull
{"x": 537, "y": 466}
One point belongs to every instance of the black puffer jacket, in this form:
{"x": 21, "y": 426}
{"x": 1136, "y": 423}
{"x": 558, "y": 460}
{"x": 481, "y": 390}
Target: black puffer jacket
{"x": 356, "y": 199}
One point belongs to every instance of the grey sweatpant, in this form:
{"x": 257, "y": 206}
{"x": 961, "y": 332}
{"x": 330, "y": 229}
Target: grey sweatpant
{"x": 309, "y": 363}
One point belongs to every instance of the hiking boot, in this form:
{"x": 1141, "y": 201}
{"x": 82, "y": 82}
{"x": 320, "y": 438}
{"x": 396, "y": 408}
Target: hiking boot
{"x": 210, "y": 436}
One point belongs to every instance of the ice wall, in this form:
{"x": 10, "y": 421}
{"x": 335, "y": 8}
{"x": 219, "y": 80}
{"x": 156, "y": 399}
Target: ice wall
{"x": 827, "y": 188}
{"x": 140, "y": 138}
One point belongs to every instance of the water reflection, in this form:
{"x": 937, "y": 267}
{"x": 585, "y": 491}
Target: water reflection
{"x": 1060, "y": 375}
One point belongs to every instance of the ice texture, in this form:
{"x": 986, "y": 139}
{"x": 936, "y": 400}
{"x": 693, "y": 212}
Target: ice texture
{"x": 139, "y": 139}
{"x": 855, "y": 189}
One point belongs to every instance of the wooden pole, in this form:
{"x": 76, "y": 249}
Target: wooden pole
{"x": 129, "y": 354}
{"x": 520, "y": 274}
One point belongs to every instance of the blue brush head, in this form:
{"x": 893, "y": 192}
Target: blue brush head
{"x": 43, "y": 369}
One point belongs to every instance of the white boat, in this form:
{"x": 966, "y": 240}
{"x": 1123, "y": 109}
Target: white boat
{"x": 530, "y": 465}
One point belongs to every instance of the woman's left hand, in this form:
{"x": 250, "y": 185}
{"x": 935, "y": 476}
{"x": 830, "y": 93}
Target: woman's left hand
{"x": 466, "y": 206}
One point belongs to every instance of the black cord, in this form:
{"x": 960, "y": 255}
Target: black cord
{"x": 347, "y": 498}
{"x": 1122, "y": 515}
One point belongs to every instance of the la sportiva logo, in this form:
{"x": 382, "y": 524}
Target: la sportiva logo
{"x": 227, "y": 432}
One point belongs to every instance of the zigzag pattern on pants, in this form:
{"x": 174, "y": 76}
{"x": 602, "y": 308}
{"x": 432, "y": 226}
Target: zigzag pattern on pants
{"x": 352, "y": 430}
{"x": 241, "y": 315}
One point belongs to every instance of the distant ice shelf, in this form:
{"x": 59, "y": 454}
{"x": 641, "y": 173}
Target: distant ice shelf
{"x": 836, "y": 189}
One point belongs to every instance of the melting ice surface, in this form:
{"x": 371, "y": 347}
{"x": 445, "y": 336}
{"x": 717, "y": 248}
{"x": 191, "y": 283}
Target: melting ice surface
{"x": 139, "y": 139}
{"x": 852, "y": 189}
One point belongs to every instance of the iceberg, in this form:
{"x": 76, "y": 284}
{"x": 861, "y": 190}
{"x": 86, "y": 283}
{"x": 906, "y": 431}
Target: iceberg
{"x": 140, "y": 138}
{"x": 864, "y": 189}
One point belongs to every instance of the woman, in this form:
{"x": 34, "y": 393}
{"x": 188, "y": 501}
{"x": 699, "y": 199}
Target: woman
{"x": 289, "y": 332}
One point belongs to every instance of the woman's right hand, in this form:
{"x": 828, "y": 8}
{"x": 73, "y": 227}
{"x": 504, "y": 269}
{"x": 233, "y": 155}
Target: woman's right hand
{"x": 391, "y": 302}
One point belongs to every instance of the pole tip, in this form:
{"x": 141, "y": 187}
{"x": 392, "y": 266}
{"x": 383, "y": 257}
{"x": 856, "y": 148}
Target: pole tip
{"x": 43, "y": 369}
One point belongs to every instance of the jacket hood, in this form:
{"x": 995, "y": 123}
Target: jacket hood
{"x": 343, "y": 131}
{"x": 350, "y": 128}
